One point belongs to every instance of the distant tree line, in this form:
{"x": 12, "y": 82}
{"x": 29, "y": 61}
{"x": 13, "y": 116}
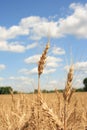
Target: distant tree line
{"x": 84, "y": 89}
{"x": 47, "y": 91}
{"x": 8, "y": 89}
{"x": 85, "y": 84}
{"x": 5, "y": 90}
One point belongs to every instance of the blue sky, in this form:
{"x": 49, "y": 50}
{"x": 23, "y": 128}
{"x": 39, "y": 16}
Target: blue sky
{"x": 24, "y": 30}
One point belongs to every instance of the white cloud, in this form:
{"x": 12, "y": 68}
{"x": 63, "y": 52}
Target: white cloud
{"x": 24, "y": 71}
{"x": 50, "y": 62}
{"x": 34, "y": 26}
{"x": 28, "y": 72}
{"x": 12, "y": 32}
{"x": 45, "y": 71}
{"x": 15, "y": 31}
{"x": 2, "y": 66}
{"x": 49, "y": 71}
{"x": 37, "y": 27}
{"x": 1, "y": 78}
{"x": 35, "y": 71}
{"x": 30, "y": 46}
{"x": 51, "y": 85}
{"x": 19, "y": 83}
{"x": 53, "y": 61}
{"x": 58, "y": 51}
{"x": 21, "y": 80}
{"x": 32, "y": 59}
{"x": 76, "y": 23}
{"x": 79, "y": 66}
{"x": 15, "y": 46}
{"x": 31, "y": 21}
{"x": 3, "y": 45}
{"x": 53, "y": 82}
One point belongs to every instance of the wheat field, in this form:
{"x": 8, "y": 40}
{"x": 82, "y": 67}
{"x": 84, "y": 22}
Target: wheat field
{"x": 23, "y": 112}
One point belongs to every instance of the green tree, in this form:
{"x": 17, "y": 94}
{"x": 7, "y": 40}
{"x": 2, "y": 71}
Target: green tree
{"x": 35, "y": 91}
{"x": 85, "y": 84}
{"x": 5, "y": 90}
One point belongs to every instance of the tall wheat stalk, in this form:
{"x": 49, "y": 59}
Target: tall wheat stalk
{"x": 41, "y": 64}
{"x": 67, "y": 94}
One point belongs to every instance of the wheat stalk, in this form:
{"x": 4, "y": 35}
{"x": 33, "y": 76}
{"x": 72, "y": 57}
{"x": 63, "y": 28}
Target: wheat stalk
{"x": 67, "y": 94}
{"x": 68, "y": 88}
{"x": 41, "y": 64}
{"x": 49, "y": 113}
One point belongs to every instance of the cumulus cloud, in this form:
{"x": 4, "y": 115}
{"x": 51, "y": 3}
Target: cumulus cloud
{"x": 35, "y": 71}
{"x": 36, "y": 27}
{"x": 27, "y": 72}
{"x": 19, "y": 78}
{"x": 76, "y": 23}
{"x": 12, "y": 32}
{"x": 30, "y": 46}
{"x": 15, "y": 46}
{"x": 32, "y": 59}
{"x": 58, "y": 51}
{"x": 79, "y": 66}
{"x": 51, "y": 64}
{"x": 49, "y": 71}
{"x": 23, "y": 80}
{"x": 2, "y": 66}
{"x": 12, "y": 47}
{"x": 51, "y": 60}
{"x": 19, "y": 83}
